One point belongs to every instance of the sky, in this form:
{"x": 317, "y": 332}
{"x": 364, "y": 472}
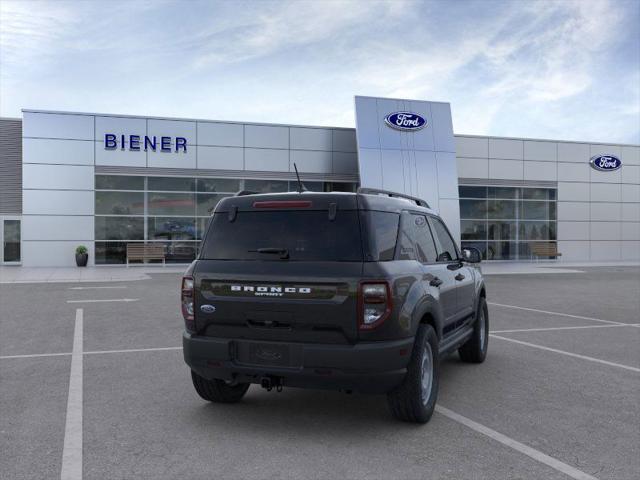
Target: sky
{"x": 540, "y": 69}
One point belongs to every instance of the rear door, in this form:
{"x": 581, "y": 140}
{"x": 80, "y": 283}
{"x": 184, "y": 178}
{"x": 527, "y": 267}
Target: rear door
{"x": 283, "y": 274}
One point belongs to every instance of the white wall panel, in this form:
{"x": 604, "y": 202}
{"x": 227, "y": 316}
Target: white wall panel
{"x": 50, "y": 227}
{"x": 596, "y": 149}
{"x": 261, "y": 136}
{"x": 631, "y": 231}
{"x": 344, "y": 141}
{"x": 52, "y": 125}
{"x": 605, "y": 192}
{"x": 367, "y": 124}
{"x": 173, "y": 159}
{"x": 630, "y": 193}
{"x": 535, "y": 150}
{"x": 120, "y": 157}
{"x": 310, "y": 138}
{"x": 311, "y": 161}
{"x": 447, "y": 175}
{"x": 54, "y": 177}
{"x": 573, "y": 230}
{"x": 53, "y": 253}
{"x": 473, "y": 167}
{"x": 472, "y": 147}
{"x": 442, "y": 127}
{"x": 450, "y": 212}
{"x": 573, "y": 152}
{"x": 57, "y": 202}
{"x": 220, "y": 158}
{"x": 392, "y": 171}
{"x": 605, "y": 231}
{"x": 506, "y": 149}
{"x": 574, "y": 251}
{"x": 606, "y": 211}
{"x": 573, "y": 211}
{"x": 605, "y": 177}
{"x": 574, "y": 172}
{"x": 220, "y": 134}
{"x": 390, "y": 138}
{"x": 120, "y": 126}
{"x": 345, "y": 163}
{"x": 428, "y": 183}
{"x": 506, "y": 169}
{"x": 573, "y": 191}
{"x": 70, "y": 152}
{"x": 605, "y": 250}
{"x": 540, "y": 171}
{"x": 630, "y": 174}
{"x": 371, "y": 167}
{"x": 630, "y": 250}
{"x": 173, "y": 128}
{"x": 630, "y": 155}
{"x": 631, "y": 212}
{"x": 266, "y": 159}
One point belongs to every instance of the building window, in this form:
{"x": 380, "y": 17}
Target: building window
{"x": 504, "y": 222}
{"x": 171, "y": 211}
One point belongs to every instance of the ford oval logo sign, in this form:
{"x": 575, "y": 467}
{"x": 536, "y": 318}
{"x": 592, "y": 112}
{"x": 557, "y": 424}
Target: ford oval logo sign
{"x": 405, "y": 121}
{"x": 605, "y": 163}
{"x": 208, "y": 308}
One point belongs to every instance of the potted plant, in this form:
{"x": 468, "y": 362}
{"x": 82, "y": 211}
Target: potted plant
{"x": 82, "y": 256}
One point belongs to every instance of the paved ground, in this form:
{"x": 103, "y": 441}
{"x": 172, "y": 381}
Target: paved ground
{"x": 548, "y": 392}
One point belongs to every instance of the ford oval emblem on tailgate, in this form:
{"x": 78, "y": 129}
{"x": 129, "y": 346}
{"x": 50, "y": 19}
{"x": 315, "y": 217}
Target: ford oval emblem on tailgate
{"x": 207, "y": 308}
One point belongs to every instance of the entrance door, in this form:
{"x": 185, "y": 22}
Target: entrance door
{"x": 10, "y": 233}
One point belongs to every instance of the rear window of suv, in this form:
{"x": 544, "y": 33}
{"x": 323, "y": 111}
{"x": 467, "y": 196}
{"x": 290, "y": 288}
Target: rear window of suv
{"x": 304, "y": 235}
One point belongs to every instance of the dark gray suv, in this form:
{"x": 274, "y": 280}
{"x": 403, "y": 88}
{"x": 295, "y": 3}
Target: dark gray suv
{"x": 358, "y": 292}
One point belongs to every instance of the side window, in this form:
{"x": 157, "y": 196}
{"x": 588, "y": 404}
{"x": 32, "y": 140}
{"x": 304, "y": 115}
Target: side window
{"x": 447, "y": 247}
{"x": 383, "y": 231}
{"x": 415, "y": 240}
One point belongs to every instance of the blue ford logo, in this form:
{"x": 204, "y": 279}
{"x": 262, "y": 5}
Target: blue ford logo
{"x": 405, "y": 121}
{"x": 207, "y": 308}
{"x": 605, "y": 163}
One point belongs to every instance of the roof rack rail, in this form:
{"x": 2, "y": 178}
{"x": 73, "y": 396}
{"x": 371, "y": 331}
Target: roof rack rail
{"x": 376, "y": 191}
{"x": 242, "y": 193}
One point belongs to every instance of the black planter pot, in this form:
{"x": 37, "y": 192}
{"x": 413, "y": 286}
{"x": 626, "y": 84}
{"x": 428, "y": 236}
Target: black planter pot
{"x": 82, "y": 259}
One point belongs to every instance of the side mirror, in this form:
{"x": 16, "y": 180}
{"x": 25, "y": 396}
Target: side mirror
{"x": 471, "y": 255}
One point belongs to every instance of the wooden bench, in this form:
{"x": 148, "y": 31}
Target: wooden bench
{"x": 142, "y": 252}
{"x": 545, "y": 249}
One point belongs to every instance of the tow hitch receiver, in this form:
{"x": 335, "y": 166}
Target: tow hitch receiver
{"x": 269, "y": 383}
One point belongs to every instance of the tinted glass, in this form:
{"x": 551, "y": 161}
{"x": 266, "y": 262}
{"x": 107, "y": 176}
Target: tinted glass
{"x": 119, "y": 228}
{"x": 473, "y": 229}
{"x": 206, "y": 203}
{"x": 120, "y": 203}
{"x": 306, "y": 235}
{"x": 202, "y": 224}
{"x": 171, "y": 183}
{"x": 167, "y": 228}
{"x": 538, "y": 194}
{"x": 472, "y": 192}
{"x": 447, "y": 249}
{"x": 504, "y": 209}
{"x": 538, "y": 210}
{"x": 340, "y": 187}
{"x": 501, "y": 192}
{"x": 265, "y": 186}
{"x": 218, "y": 185}
{"x": 172, "y": 203}
{"x": 407, "y": 239}
{"x": 501, "y": 230}
{"x": 473, "y": 208}
{"x": 383, "y": 232}
{"x": 119, "y": 182}
{"x": 536, "y": 231}
{"x": 501, "y": 250}
{"x": 425, "y": 246}
{"x": 110, "y": 252}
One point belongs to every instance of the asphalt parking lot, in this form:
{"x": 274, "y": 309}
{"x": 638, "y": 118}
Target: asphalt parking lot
{"x": 558, "y": 397}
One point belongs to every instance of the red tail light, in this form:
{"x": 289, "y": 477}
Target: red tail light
{"x": 374, "y": 304}
{"x": 186, "y": 299}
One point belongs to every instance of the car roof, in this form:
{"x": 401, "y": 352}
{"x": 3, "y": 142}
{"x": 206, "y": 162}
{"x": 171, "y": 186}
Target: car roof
{"x": 322, "y": 201}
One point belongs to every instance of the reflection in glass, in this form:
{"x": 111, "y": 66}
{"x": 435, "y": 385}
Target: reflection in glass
{"x": 119, "y": 182}
{"x": 501, "y": 230}
{"x": 473, "y": 230}
{"x": 119, "y": 228}
{"x": 501, "y": 250}
{"x": 503, "y": 209}
{"x": 502, "y": 192}
{"x": 266, "y": 186}
{"x": 207, "y": 203}
{"x": 230, "y": 185}
{"x": 171, "y": 203}
{"x": 120, "y": 203}
{"x": 167, "y": 228}
{"x": 473, "y": 209}
{"x": 179, "y": 184}
{"x": 472, "y": 192}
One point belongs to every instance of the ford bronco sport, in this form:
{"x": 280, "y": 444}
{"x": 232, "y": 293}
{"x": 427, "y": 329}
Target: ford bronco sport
{"x": 358, "y": 292}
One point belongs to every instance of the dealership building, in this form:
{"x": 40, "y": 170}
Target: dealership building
{"x": 111, "y": 181}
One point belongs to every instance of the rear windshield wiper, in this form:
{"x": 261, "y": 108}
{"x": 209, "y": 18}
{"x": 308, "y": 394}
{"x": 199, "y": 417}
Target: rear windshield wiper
{"x": 283, "y": 252}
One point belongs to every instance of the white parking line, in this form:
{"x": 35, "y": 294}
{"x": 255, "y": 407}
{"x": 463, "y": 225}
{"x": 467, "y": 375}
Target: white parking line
{"x": 72, "y": 449}
{"x": 564, "y": 328}
{"x": 556, "y": 313}
{"x": 515, "y": 445}
{"x": 105, "y": 300}
{"x": 34, "y": 355}
{"x": 575, "y": 355}
{"x": 159, "y": 349}
{"x": 95, "y": 288}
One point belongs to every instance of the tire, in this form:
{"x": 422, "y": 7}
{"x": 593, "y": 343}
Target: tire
{"x": 474, "y": 350}
{"x": 414, "y": 401}
{"x": 218, "y": 391}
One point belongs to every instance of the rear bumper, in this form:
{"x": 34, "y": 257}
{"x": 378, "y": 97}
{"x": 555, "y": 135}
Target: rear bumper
{"x": 372, "y": 367}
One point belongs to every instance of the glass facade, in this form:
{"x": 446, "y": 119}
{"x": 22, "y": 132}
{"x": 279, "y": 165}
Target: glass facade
{"x": 171, "y": 211}
{"x": 504, "y": 222}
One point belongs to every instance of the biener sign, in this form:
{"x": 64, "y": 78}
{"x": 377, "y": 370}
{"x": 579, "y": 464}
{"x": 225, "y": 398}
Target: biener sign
{"x": 139, "y": 142}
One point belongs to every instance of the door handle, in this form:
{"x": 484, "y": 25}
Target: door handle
{"x": 435, "y": 282}
{"x": 459, "y": 277}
